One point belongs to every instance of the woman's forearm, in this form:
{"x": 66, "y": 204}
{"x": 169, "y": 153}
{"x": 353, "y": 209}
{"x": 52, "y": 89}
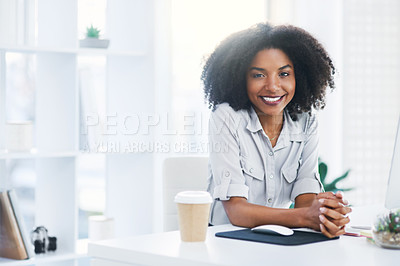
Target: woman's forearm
{"x": 242, "y": 213}
{"x": 304, "y": 200}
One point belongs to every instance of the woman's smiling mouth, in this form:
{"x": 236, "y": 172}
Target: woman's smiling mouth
{"x": 272, "y": 100}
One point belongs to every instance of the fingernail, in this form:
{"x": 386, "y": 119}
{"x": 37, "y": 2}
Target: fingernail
{"x": 322, "y": 209}
{"x": 320, "y": 227}
{"x": 346, "y": 202}
{"x": 321, "y": 218}
{"x": 321, "y": 200}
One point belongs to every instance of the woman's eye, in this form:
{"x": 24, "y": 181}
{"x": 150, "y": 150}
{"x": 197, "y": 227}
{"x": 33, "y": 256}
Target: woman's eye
{"x": 284, "y": 74}
{"x": 258, "y": 75}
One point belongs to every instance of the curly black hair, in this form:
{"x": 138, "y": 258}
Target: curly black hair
{"x": 224, "y": 72}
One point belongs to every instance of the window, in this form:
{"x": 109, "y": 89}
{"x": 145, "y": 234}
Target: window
{"x": 371, "y": 102}
{"x": 197, "y": 28}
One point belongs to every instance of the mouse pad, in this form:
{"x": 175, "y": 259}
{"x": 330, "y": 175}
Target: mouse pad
{"x": 298, "y": 238}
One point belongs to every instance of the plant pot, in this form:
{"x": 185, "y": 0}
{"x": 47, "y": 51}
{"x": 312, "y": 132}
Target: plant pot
{"x": 387, "y": 239}
{"x": 94, "y": 43}
{"x": 386, "y": 231}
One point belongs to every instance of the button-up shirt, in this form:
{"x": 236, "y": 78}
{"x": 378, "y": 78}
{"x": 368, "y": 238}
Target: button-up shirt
{"x": 243, "y": 162}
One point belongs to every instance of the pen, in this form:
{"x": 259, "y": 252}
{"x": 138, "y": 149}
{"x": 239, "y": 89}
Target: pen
{"x": 361, "y": 227}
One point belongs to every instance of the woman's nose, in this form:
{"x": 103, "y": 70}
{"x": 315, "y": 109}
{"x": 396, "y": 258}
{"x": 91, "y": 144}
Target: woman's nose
{"x": 272, "y": 83}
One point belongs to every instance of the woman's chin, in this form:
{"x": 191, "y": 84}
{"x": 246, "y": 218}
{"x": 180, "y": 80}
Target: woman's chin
{"x": 270, "y": 111}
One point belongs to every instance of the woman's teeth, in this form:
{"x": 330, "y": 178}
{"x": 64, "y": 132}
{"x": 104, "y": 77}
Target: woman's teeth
{"x": 272, "y": 99}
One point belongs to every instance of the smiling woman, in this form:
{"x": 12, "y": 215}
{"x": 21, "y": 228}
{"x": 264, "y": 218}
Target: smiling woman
{"x": 270, "y": 87}
{"x": 262, "y": 84}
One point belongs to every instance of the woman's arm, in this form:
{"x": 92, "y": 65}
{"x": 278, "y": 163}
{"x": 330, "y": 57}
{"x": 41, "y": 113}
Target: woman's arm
{"x": 311, "y": 211}
{"x": 242, "y": 213}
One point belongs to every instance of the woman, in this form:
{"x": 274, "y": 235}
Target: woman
{"x": 262, "y": 84}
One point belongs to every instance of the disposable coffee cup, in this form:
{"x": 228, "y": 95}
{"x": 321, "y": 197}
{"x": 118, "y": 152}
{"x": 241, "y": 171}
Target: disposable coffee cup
{"x": 193, "y": 213}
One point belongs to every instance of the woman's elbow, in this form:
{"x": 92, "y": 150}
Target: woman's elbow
{"x": 234, "y": 211}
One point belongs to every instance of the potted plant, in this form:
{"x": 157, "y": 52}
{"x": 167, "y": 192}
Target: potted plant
{"x": 93, "y": 40}
{"x": 386, "y": 231}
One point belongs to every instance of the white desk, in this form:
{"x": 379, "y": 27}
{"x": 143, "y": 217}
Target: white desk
{"x": 167, "y": 249}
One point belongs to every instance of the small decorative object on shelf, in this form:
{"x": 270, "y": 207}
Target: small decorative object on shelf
{"x": 42, "y": 241}
{"x": 386, "y": 232}
{"x": 93, "y": 40}
{"x": 19, "y": 136}
{"x": 100, "y": 227}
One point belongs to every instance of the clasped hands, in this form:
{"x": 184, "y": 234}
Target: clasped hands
{"x": 332, "y": 213}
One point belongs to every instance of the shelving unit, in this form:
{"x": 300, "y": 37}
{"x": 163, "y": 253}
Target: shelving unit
{"x": 129, "y": 90}
{"x": 77, "y": 51}
{"x": 35, "y": 155}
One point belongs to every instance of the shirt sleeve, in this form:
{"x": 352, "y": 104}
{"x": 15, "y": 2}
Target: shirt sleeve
{"x": 308, "y": 180}
{"x": 225, "y": 155}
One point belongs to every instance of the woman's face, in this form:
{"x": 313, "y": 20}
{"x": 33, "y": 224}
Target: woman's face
{"x": 270, "y": 81}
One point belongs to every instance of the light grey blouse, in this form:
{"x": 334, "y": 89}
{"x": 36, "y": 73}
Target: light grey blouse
{"x": 243, "y": 162}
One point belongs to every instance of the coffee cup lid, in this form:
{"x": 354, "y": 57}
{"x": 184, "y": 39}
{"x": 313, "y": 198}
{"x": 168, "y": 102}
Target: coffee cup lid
{"x": 193, "y": 197}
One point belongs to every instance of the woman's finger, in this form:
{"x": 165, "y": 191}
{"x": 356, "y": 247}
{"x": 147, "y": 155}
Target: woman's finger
{"x": 326, "y": 195}
{"x": 331, "y": 203}
{"x": 332, "y": 213}
{"x": 339, "y": 222}
{"x": 330, "y": 226}
{"x": 334, "y": 196}
{"x": 342, "y": 222}
{"x": 324, "y": 231}
{"x": 340, "y": 195}
{"x": 340, "y": 232}
{"x": 344, "y": 210}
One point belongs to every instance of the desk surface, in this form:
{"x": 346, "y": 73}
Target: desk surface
{"x": 167, "y": 249}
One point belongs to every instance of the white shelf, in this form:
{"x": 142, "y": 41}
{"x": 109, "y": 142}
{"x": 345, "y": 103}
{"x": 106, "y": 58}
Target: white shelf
{"x": 34, "y": 154}
{"x": 42, "y": 259}
{"x": 96, "y": 51}
{"x": 77, "y": 51}
{"x": 81, "y": 252}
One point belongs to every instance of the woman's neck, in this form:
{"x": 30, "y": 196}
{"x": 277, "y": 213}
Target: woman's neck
{"x": 271, "y": 124}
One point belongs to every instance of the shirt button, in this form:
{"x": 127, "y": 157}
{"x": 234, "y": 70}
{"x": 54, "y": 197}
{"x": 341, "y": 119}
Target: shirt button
{"x": 270, "y": 153}
{"x": 251, "y": 170}
{"x": 271, "y": 176}
{"x": 269, "y": 200}
{"x": 227, "y": 173}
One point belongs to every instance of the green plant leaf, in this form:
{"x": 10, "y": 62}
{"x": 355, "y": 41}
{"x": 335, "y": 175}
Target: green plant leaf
{"x": 334, "y": 182}
{"x": 330, "y": 187}
{"x": 346, "y": 189}
{"x": 323, "y": 171}
{"x": 92, "y": 32}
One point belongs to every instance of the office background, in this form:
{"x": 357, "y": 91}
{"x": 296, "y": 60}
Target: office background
{"x": 151, "y": 73}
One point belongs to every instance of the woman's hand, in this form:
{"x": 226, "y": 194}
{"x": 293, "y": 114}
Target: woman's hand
{"x": 333, "y": 215}
{"x": 335, "y": 196}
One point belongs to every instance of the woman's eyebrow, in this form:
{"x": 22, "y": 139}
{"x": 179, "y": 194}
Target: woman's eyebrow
{"x": 257, "y": 68}
{"x": 262, "y": 69}
{"x": 285, "y": 67}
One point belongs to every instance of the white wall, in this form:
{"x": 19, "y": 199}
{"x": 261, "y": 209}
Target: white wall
{"x": 323, "y": 19}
